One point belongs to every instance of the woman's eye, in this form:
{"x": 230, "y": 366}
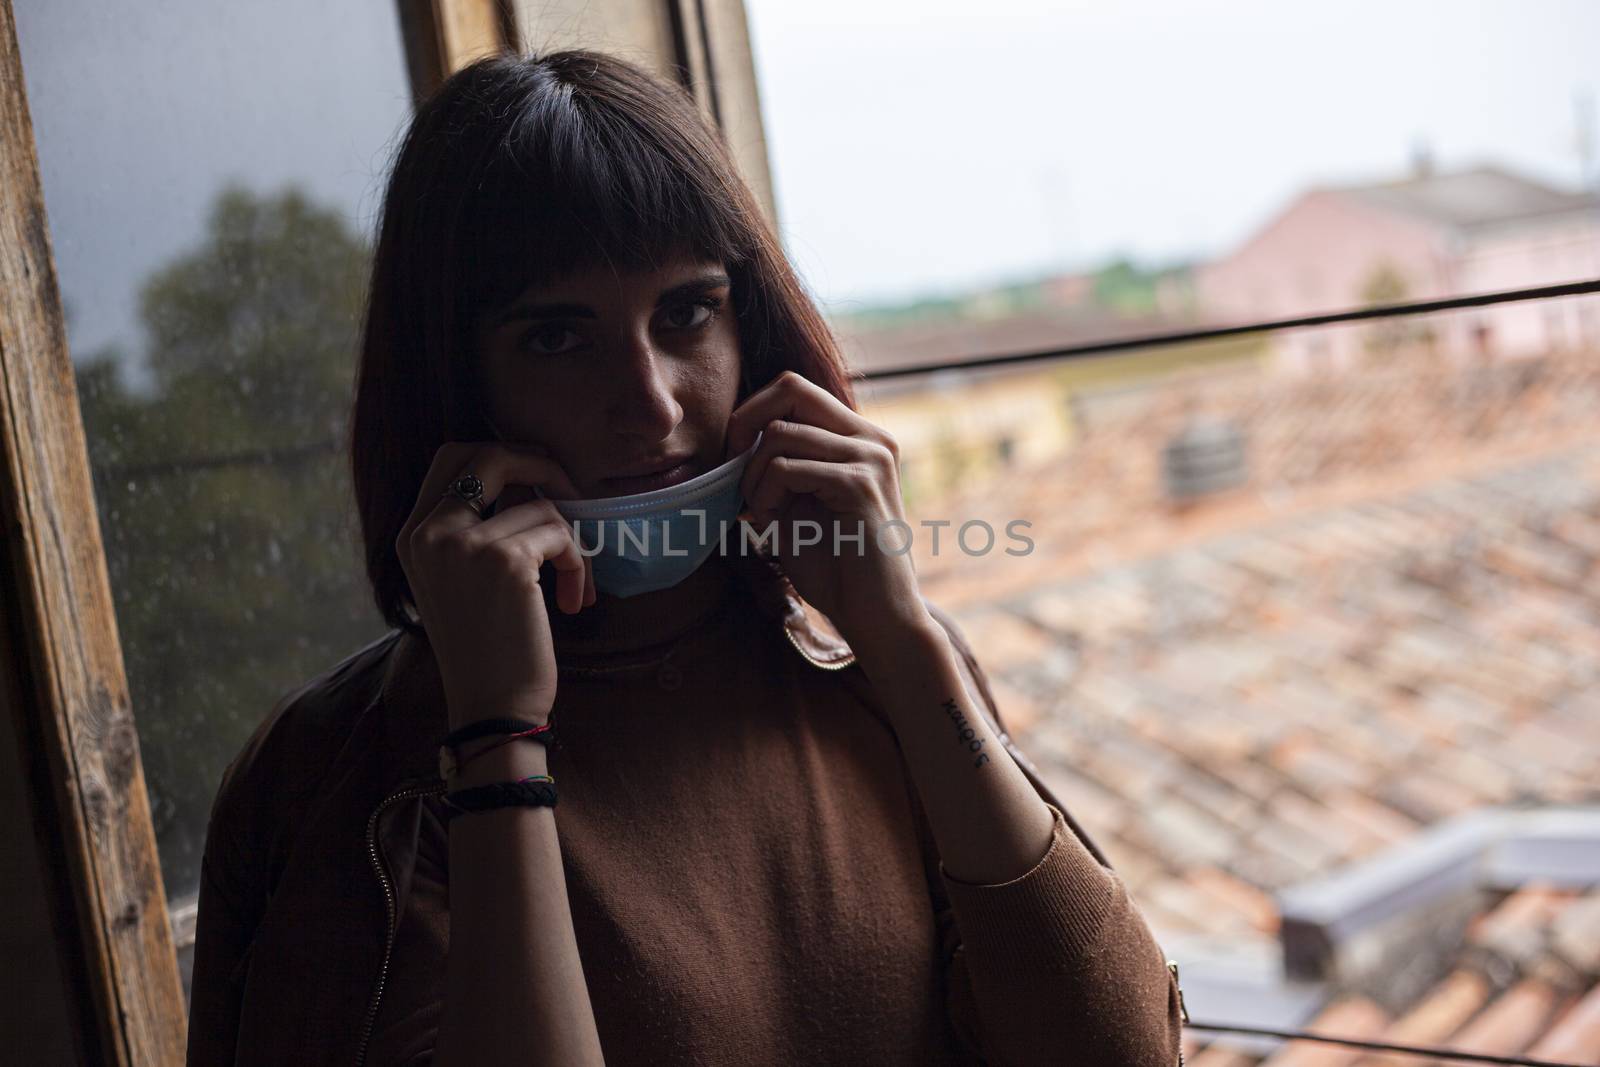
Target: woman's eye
{"x": 546, "y": 340}
{"x": 677, "y": 315}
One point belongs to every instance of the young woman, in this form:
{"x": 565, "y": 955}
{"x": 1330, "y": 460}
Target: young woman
{"x": 790, "y": 825}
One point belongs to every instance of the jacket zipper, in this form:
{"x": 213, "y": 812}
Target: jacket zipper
{"x": 836, "y": 666}
{"x": 388, "y": 904}
{"x": 1183, "y": 1012}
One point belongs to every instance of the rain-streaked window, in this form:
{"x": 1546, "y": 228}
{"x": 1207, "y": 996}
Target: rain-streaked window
{"x": 212, "y": 175}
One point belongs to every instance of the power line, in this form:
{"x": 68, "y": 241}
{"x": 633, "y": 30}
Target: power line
{"x": 1383, "y": 311}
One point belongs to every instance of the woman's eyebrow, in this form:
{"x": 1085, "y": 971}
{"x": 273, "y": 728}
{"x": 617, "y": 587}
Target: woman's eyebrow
{"x": 526, "y": 310}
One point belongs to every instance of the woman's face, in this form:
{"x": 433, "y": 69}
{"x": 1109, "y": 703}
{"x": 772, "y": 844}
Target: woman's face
{"x": 617, "y": 375}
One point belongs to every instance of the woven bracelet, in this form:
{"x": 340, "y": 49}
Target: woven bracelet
{"x": 450, "y": 762}
{"x": 485, "y": 727}
{"x": 498, "y": 795}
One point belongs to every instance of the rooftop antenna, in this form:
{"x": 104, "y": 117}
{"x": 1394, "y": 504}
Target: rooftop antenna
{"x": 1421, "y": 157}
{"x": 1584, "y": 139}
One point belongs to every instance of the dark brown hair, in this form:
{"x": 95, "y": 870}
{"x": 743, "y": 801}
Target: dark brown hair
{"x": 519, "y": 169}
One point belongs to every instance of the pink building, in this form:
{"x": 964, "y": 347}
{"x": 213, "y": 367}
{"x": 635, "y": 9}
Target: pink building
{"x": 1425, "y": 237}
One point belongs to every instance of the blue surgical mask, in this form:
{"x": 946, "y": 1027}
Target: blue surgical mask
{"x": 648, "y": 541}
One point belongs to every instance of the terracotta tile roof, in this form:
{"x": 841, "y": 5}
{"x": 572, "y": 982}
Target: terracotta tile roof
{"x": 1511, "y": 991}
{"x": 1239, "y": 699}
{"x": 1476, "y": 197}
{"x": 1249, "y": 712}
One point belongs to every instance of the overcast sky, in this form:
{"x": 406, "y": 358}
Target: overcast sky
{"x": 917, "y": 145}
{"x": 142, "y": 112}
{"x": 921, "y": 145}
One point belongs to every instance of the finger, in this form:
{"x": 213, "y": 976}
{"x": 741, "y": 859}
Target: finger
{"x": 773, "y": 499}
{"x": 513, "y": 520}
{"x": 579, "y": 579}
{"x": 789, "y": 396}
{"x": 571, "y": 566}
{"x": 570, "y": 589}
{"x": 804, "y": 441}
{"x": 496, "y": 465}
{"x": 841, "y": 487}
{"x": 552, "y": 543}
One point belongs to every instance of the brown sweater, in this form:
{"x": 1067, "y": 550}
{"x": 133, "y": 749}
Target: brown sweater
{"x": 751, "y": 877}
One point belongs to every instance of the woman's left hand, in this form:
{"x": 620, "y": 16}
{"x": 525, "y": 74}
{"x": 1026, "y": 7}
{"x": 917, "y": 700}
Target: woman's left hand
{"x": 820, "y": 461}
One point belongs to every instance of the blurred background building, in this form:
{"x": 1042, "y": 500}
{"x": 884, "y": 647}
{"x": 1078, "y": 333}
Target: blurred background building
{"x": 1422, "y": 237}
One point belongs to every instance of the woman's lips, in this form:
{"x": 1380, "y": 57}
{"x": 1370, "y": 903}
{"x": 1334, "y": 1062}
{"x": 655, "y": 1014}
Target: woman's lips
{"x": 643, "y": 483}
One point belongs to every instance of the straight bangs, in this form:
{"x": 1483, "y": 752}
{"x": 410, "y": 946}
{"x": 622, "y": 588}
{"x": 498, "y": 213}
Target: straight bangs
{"x": 572, "y": 188}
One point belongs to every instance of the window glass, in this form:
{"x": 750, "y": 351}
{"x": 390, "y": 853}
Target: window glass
{"x": 1291, "y": 617}
{"x": 211, "y": 175}
{"x": 1157, "y": 162}
{"x": 1284, "y": 618}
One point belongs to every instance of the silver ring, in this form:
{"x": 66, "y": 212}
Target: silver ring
{"x": 469, "y": 490}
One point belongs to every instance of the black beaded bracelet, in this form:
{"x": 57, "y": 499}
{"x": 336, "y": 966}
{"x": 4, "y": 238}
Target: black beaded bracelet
{"x": 498, "y": 795}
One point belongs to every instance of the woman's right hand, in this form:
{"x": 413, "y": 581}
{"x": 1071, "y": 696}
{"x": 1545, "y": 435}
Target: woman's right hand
{"x": 476, "y": 585}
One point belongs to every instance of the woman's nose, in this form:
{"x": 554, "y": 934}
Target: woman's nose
{"x": 643, "y": 395}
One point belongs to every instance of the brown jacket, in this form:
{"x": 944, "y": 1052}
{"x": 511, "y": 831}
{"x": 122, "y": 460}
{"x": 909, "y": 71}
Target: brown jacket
{"x": 316, "y": 850}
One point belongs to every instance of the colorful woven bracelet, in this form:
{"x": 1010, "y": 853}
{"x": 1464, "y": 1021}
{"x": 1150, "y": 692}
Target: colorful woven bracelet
{"x": 484, "y": 727}
{"x": 450, "y": 762}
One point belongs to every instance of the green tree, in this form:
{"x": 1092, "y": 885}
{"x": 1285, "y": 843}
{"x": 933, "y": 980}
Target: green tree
{"x": 1125, "y": 287}
{"x": 224, "y": 502}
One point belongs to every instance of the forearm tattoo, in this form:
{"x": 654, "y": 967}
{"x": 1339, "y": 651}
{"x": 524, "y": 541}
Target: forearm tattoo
{"x": 966, "y": 735}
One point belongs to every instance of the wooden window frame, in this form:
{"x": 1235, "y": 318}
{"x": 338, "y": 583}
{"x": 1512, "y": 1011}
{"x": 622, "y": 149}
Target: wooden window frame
{"x": 63, "y": 684}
